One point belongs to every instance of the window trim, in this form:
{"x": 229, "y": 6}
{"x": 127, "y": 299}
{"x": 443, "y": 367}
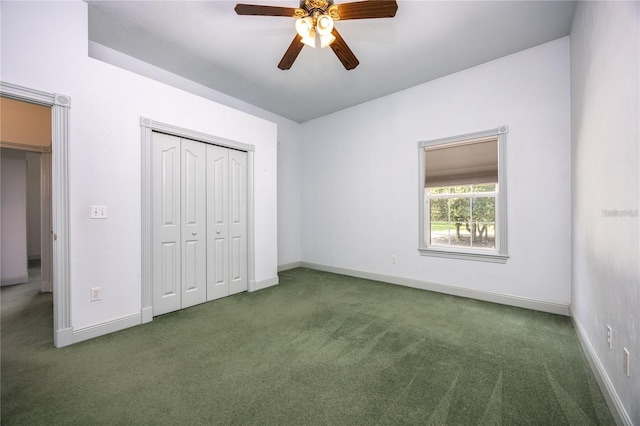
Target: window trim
{"x": 500, "y": 255}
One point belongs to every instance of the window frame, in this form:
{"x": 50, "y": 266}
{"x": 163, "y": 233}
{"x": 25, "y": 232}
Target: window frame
{"x": 500, "y": 253}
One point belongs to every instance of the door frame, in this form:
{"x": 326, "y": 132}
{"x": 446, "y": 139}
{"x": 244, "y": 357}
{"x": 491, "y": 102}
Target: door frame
{"x": 46, "y": 233}
{"x": 148, "y": 126}
{"x": 60, "y": 110}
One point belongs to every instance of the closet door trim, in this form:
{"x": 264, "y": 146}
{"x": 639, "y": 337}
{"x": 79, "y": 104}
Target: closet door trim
{"x": 148, "y": 126}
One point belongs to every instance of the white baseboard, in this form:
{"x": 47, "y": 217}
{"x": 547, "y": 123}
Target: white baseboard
{"x": 616, "y": 407}
{"x": 14, "y": 280}
{"x": 106, "y": 327}
{"x": 70, "y": 336}
{"x": 63, "y": 337}
{"x": 287, "y": 266}
{"x": 503, "y": 299}
{"x": 259, "y": 285}
{"x": 46, "y": 286}
{"x": 146, "y": 315}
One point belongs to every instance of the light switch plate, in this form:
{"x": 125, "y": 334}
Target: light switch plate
{"x": 98, "y": 212}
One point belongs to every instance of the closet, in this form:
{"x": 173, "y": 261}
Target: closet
{"x": 199, "y": 220}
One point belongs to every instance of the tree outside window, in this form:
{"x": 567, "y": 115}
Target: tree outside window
{"x": 463, "y": 216}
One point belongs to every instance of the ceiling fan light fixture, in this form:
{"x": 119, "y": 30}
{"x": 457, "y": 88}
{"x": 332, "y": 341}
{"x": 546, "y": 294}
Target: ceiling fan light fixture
{"x": 327, "y": 39}
{"x": 306, "y": 30}
{"x": 310, "y": 40}
{"x": 324, "y": 24}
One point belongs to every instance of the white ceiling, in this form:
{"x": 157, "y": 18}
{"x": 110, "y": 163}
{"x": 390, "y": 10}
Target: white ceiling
{"x": 205, "y": 41}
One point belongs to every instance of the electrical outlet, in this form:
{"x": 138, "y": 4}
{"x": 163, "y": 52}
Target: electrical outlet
{"x": 393, "y": 259}
{"x": 98, "y": 212}
{"x": 96, "y": 294}
{"x": 609, "y": 337}
{"x": 625, "y": 361}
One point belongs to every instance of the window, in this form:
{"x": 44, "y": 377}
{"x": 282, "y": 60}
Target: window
{"x": 463, "y": 196}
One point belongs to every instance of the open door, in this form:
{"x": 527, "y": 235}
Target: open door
{"x": 25, "y": 130}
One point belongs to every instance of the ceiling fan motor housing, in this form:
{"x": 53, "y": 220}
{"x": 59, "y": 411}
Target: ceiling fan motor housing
{"x": 312, "y": 5}
{"x": 315, "y": 8}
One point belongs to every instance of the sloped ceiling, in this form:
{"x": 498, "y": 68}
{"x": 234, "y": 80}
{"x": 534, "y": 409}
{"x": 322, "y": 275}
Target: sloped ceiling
{"x": 205, "y": 41}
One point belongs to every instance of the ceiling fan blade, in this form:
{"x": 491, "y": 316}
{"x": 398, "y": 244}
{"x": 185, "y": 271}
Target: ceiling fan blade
{"x": 258, "y": 10}
{"x": 367, "y": 9}
{"x": 343, "y": 52}
{"x": 292, "y": 53}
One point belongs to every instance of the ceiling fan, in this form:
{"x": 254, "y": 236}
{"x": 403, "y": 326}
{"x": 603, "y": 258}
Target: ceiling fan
{"x": 315, "y": 24}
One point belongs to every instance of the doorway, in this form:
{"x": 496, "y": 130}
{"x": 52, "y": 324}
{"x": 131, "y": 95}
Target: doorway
{"x": 25, "y": 142}
{"x": 26, "y": 217}
{"x": 59, "y": 108}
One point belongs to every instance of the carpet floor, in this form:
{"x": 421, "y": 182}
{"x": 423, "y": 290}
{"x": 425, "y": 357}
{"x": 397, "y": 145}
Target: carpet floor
{"x": 317, "y": 349}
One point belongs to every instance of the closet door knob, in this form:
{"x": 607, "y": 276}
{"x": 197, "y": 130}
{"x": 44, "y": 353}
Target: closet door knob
{"x": 194, "y": 233}
{"x": 217, "y": 231}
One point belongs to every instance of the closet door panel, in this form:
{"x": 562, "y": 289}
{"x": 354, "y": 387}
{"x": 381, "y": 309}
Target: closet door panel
{"x": 193, "y": 197}
{"x": 238, "y": 221}
{"x": 166, "y": 224}
{"x": 217, "y": 222}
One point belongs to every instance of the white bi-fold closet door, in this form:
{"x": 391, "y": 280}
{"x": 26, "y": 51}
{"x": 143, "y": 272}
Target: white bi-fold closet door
{"x": 199, "y": 222}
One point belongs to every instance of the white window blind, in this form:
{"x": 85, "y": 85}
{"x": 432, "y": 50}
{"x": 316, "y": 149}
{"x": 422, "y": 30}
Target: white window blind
{"x": 468, "y": 163}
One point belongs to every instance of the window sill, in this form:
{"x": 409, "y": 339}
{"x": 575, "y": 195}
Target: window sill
{"x": 492, "y": 257}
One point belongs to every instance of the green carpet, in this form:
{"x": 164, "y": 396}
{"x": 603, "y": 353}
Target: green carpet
{"x": 317, "y": 349}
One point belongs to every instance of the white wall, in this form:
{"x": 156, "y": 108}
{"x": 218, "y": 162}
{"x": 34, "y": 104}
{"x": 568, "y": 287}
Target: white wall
{"x": 605, "y": 76}
{"x": 289, "y": 166}
{"x": 289, "y": 193}
{"x": 360, "y": 176}
{"x": 44, "y": 46}
{"x": 13, "y": 217}
{"x": 108, "y": 173}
